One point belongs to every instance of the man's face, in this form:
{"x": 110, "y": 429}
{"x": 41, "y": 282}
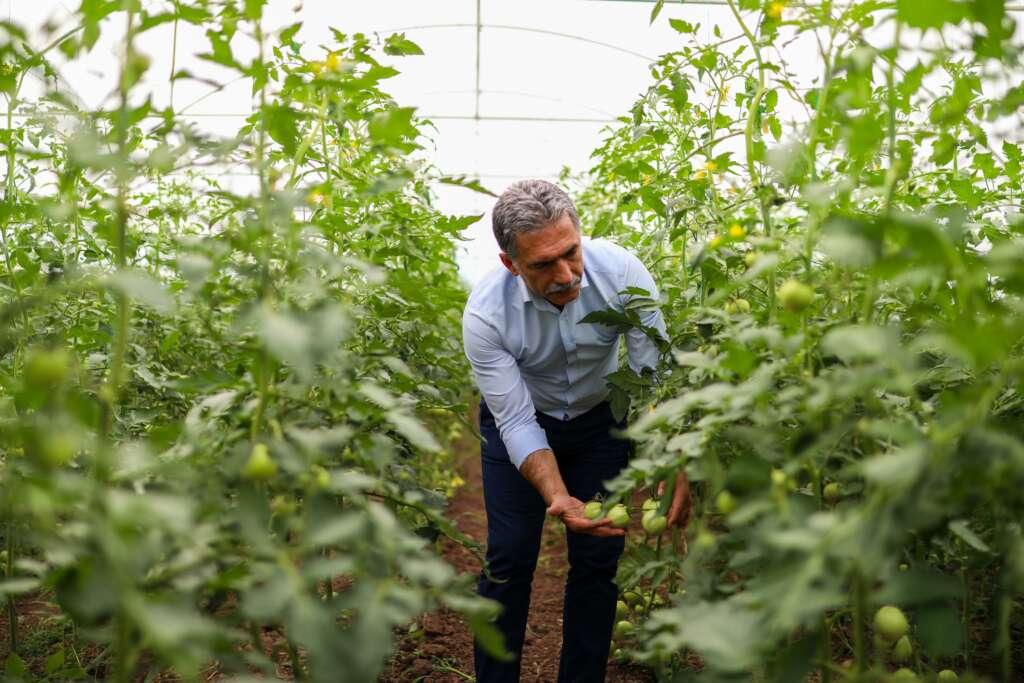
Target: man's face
{"x": 550, "y": 261}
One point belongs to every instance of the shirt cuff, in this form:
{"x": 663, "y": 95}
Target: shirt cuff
{"x": 523, "y": 441}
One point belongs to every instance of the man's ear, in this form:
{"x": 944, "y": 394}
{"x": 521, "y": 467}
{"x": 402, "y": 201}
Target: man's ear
{"x": 507, "y": 262}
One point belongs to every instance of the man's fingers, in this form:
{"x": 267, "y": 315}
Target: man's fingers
{"x": 599, "y": 527}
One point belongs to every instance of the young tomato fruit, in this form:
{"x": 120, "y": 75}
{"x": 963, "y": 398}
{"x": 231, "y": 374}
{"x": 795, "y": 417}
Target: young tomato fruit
{"x": 654, "y": 523}
{"x": 260, "y": 466}
{"x": 592, "y": 510}
{"x": 891, "y": 623}
{"x": 619, "y": 516}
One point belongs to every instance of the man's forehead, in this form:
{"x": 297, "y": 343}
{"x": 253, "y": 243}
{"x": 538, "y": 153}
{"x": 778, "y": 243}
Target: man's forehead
{"x": 548, "y": 242}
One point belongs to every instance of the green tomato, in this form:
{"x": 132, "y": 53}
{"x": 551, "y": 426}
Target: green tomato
{"x": 624, "y": 628}
{"x": 654, "y": 523}
{"x": 651, "y": 504}
{"x": 901, "y": 651}
{"x": 705, "y": 540}
{"x": 730, "y": 308}
{"x": 57, "y": 448}
{"x": 795, "y": 295}
{"x": 47, "y": 367}
{"x": 832, "y": 493}
{"x": 260, "y": 466}
{"x": 779, "y": 477}
{"x": 750, "y": 258}
{"x": 742, "y": 306}
{"x": 903, "y": 675}
{"x": 592, "y": 510}
{"x": 619, "y": 516}
{"x": 621, "y": 610}
{"x": 891, "y": 623}
{"x": 947, "y": 676}
{"x": 725, "y": 502}
{"x": 321, "y": 477}
{"x": 631, "y": 597}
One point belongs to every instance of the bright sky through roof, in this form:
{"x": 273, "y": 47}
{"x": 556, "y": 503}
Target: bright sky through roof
{"x": 552, "y": 74}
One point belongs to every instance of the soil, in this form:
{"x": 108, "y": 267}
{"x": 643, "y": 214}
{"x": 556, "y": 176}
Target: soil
{"x": 443, "y": 653}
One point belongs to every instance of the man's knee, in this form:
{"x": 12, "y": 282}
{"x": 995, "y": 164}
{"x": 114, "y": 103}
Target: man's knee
{"x": 512, "y": 557}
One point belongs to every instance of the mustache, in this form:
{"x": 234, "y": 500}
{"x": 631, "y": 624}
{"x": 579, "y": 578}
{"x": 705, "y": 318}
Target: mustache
{"x": 561, "y": 289}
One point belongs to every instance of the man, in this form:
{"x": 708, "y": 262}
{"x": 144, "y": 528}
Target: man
{"x": 545, "y": 419}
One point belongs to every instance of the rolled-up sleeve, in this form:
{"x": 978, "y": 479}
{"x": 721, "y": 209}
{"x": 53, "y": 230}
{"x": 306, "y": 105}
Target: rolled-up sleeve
{"x": 642, "y": 351}
{"x": 503, "y": 388}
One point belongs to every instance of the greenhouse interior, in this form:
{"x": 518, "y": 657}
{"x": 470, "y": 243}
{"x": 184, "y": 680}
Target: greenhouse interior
{"x": 467, "y": 340}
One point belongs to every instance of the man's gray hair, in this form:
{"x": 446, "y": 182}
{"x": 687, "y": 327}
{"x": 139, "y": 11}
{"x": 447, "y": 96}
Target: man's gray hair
{"x": 529, "y": 205}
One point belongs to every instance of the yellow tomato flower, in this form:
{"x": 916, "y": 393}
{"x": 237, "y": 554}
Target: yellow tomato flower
{"x": 716, "y": 241}
{"x": 317, "y": 67}
{"x": 646, "y": 179}
{"x": 774, "y": 10}
{"x": 700, "y": 174}
{"x": 736, "y": 231}
{"x": 457, "y": 481}
{"x": 315, "y": 197}
{"x": 332, "y": 62}
{"x": 711, "y": 167}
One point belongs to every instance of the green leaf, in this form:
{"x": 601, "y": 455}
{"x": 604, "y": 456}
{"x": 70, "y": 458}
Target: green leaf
{"x": 18, "y": 586}
{"x": 394, "y": 127}
{"x": 964, "y": 532}
{"x": 930, "y": 13}
{"x": 656, "y": 10}
{"x": 852, "y": 343}
{"x": 254, "y": 8}
{"x": 281, "y": 122}
{"x": 469, "y": 184}
{"x": 15, "y": 667}
{"x": 398, "y": 44}
{"x": 413, "y": 430}
{"x": 682, "y": 26}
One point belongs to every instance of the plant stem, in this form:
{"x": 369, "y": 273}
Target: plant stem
{"x": 752, "y": 110}
{"x": 1004, "y": 611}
{"x": 860, "y": 609}
{"x": 826, "y": 650}
{"x": 109, "y": 397}
{"x": 12, "y": 606}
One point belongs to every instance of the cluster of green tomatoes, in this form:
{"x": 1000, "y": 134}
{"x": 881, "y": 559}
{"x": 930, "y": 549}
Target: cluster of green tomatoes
{"x": 653, "y": 522}
{"x": 892, "y": 641}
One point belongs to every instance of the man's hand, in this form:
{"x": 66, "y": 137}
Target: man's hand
{"x": 570, "y": 510}
{"x": 681, "y": 508}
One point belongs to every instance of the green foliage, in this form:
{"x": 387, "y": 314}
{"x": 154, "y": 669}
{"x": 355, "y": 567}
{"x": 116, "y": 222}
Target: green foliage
{"x": 211, "y": 395}
{"x": 889, "y": 366}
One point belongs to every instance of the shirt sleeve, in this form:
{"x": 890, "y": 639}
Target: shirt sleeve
{"x": 642, "y": 351}
{"x": 503, "y": 388}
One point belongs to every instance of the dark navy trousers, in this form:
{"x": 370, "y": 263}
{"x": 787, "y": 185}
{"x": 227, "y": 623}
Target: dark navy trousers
{"x": 587, "y": 456}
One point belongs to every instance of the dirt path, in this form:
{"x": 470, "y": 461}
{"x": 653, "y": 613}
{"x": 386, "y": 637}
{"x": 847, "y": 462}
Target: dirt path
{"x": 444, "y": 653}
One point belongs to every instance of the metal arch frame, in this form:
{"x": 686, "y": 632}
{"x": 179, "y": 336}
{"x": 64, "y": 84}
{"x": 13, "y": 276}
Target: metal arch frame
{"x": 479, "y": 26}
{"x": 525, "y": 29}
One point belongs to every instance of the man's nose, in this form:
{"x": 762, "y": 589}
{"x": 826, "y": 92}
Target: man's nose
{"x": 564, "y": 274}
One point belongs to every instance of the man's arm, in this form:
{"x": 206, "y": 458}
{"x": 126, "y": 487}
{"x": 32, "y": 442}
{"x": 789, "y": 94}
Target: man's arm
{"x": 508, "y": 399}
{"x": 541, "y": 470}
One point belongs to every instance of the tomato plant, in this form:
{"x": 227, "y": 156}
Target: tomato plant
{"x": 863, "y": 410}
{"x": 214, "y": 397}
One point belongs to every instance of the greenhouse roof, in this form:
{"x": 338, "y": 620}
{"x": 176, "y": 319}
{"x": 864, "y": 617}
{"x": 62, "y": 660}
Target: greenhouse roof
{"x": 514, "y": 90}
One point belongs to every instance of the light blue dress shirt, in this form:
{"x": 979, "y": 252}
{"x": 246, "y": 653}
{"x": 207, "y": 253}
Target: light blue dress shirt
{"x": 527, "y": 355}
